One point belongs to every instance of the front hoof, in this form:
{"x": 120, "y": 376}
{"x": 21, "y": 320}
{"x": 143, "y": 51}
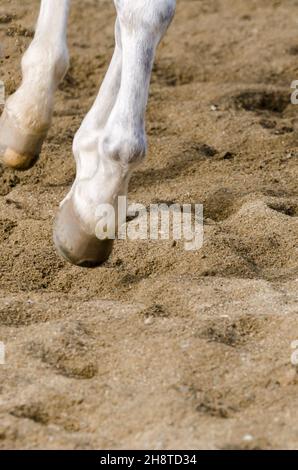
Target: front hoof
{"x": 19, "y": 150}
{"x": 75, "y": 244}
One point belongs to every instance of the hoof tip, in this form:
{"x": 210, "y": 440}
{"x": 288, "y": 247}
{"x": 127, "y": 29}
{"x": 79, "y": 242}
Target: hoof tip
{"x": 73, "y": 242}
{"x": 19, "y": 149}
{"x": 17, "y": 161}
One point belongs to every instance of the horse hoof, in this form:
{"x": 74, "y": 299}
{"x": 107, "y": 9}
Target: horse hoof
{"x": 74, "y": 243}
{"x": 19, "y": 149}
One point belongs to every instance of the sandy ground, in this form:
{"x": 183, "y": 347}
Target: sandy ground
{"x": 162, "y": 348}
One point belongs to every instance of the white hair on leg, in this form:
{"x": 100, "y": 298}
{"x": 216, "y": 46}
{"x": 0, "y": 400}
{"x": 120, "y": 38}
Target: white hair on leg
{"x": 112, "y": 140}
{"x": 28, "y": 112}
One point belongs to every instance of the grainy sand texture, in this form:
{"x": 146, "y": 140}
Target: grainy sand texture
{"x": 161, "y": 348}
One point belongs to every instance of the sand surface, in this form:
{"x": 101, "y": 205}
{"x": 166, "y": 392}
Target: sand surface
{"x": 162, "y": 348}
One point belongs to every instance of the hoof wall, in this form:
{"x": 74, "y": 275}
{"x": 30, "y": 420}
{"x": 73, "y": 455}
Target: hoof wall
{"x": 18, "y": 150}
{"x": 73, "y": 242}
{"x": 17, "y": 161}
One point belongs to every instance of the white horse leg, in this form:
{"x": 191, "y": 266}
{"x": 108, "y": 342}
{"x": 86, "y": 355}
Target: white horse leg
{"x": 74, "y": 241}
{"x": 112, "y": 140}
{"x": 28, "y": 112}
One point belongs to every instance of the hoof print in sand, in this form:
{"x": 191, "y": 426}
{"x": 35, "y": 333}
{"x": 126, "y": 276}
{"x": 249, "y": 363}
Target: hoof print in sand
{"x": 68, "y": 350}
{"x": 261, "y": 101}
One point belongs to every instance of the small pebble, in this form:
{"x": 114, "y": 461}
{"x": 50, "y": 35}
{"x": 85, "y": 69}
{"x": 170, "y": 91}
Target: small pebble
{"x": 247, "y": 438}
